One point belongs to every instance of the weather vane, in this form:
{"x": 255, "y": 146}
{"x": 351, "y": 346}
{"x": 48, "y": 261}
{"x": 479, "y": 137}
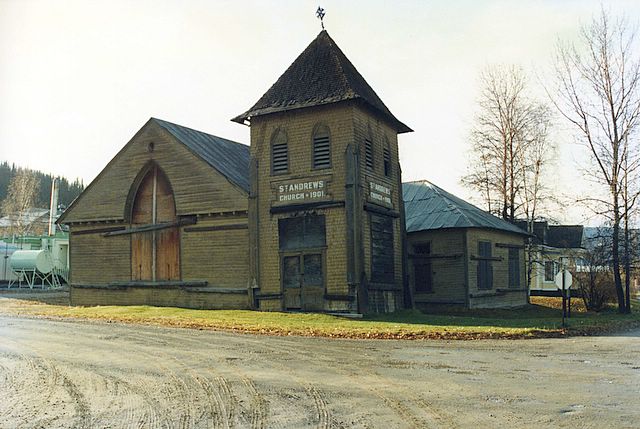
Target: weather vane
{"x": 320, "y": 15}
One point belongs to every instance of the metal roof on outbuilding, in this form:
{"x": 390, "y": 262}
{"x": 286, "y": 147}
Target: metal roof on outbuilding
{"x": 429, "y": 207}
{"x": 230, "y": 158}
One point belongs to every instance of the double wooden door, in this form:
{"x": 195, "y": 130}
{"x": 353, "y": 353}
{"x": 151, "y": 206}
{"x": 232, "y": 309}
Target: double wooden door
{"x": 303, "y": 281}
{"x": 155, "y": 254}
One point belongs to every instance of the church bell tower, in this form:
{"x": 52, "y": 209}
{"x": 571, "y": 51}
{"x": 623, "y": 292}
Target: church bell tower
{"x": 326, "y": 221}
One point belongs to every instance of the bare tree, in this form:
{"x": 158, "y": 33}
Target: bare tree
{"x": 21, "y": 197}
{"x": 510, "y": 147}
{"x": 598, "y": 92}
{"x": 511, "y": 150}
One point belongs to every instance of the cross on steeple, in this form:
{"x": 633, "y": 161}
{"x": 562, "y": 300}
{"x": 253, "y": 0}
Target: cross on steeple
{"x": 320, "y": 15}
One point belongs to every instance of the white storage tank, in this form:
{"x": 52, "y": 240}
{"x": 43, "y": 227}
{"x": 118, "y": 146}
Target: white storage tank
{"x": 28, "y": 260}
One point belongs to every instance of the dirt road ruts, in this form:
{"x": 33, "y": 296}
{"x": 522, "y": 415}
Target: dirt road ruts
{"x": 72, "y": 374}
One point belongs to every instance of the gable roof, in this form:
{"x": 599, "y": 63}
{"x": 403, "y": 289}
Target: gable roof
{"x": 230, "y": 158}
{"x": 321, "y": 74}
{"x": 565, "y": 236}
{"x": 428, "y": 207}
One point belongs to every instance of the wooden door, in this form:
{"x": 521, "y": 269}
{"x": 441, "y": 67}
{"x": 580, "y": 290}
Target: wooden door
{"x": 312, "y": 291}
{"x": 155, "y": 255}
{"x": 303, "y": 282}
{"x": 142, "y": 243}
{"x": 167, "y": 240}
{"x": 291, "y": 276}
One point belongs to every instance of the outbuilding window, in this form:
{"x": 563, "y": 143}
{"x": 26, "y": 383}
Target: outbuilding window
{"x": 279, "y": 152}
{"x": 321, "y": 147}
{"x": 422, "y": 267}
{"x": 514, "y": 268}
{"x": 550, "y": 270}
{"x": 485, "y": 267}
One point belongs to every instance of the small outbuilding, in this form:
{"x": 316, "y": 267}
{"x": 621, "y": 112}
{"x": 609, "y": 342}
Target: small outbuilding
{"x": 459, "y": 254}
{"x": 165, "y": 223}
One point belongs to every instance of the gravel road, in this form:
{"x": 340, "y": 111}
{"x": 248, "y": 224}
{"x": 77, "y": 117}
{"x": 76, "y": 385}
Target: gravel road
{"x": 71, "y": 374}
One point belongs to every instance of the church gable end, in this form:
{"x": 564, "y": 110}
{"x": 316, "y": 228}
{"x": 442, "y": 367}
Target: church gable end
{"x": 198, "y": 186}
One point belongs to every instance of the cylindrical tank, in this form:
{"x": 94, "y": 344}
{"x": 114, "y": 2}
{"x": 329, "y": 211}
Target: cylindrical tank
{"x": 39, "y": 260}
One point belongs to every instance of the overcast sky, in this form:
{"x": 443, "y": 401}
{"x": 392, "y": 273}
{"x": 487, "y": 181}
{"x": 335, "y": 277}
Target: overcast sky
{"x": 79, "y": 78}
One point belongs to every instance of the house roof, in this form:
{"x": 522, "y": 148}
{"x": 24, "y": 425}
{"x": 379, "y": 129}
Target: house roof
{"x": 231, "y": 159}
{"x": 26, "y": 217}
{"x": 565, "y": 236}
{"x": 321, "y": 74}
{"x": 429, "y": 207}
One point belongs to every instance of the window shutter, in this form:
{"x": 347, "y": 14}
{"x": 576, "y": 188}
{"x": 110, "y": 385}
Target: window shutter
{"x": 280, "y": 158}
{"x": 387, "y": 161}
{"x": 368, "y": 154}
{"x": 321, "y": 151}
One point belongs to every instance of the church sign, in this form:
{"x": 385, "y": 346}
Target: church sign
{"x": 379, "y": 194}
{"x": 301, "y": 191}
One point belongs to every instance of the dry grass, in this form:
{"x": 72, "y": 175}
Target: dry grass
{"x": 543, "y": 319}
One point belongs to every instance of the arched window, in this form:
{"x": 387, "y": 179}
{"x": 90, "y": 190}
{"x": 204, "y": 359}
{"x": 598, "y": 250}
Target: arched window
{"x": 321, "y": 147}
{"x": 279, "y": 152}
{"x": 155, "y": 241}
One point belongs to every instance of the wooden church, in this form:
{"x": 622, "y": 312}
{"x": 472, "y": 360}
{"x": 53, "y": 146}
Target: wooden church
{"x": 310, "y": 217}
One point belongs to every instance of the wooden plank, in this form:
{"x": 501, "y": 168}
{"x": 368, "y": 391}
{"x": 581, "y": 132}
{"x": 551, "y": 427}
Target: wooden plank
{"x": 347, "y": 298}
{"x": 380, "y": 210}
{"x": 217, "y": 227}
{"x": 151, "y": 227}
{"x": 99, "y": 230}
{"x": 436, "y": 256}
{"x": 306, "y": 206}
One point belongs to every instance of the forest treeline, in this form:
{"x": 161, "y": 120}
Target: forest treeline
{"x": 69, "y": 190}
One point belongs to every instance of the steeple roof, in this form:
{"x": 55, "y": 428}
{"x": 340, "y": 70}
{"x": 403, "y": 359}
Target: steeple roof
{"x": 321, "y": 74}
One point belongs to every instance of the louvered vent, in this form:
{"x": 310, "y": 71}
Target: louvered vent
{"x": 387, "y": 162}
{"x": 280, "y": 158}
{"x": 368, "y": 154}
{"x": 321, "y": 152}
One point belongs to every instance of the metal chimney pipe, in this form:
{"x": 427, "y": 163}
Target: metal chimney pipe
{"x": 53, "y": 208}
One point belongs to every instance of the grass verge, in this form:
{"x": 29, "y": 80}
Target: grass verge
{"x": 541, "y": 319}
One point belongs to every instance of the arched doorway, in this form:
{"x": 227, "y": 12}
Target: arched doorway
{"x": 155, "y": 254}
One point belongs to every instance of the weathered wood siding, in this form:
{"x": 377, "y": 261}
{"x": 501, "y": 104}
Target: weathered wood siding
{"x": 348, "y": 124}
{"x": 196, "y": 185}
{"x": 94, "y": 259}
{"x": 299, "y": 125}
{"x": 367, "y": 126}
{"x": 166, "y": 297}
{"x": 217, "y": 250}
{"x": 447, "y": 266}
{"x": 501, "y": 295}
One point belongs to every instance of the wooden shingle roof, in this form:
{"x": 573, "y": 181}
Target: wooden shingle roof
{"x": 321, "y": 74}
